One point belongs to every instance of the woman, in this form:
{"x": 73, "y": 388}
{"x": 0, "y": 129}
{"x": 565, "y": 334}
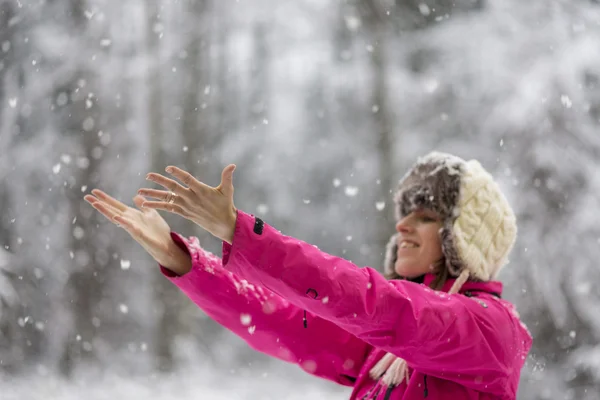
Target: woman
{"x": 436, "y": 327}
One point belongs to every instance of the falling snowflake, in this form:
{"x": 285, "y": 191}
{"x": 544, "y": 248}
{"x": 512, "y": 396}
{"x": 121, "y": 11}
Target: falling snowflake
{"x": 262, "y": 209}
{"x": 88, "y": 124}
{"x": 78, "y": 232}
{"x": 350, "y": 191}
{"x": 65, "y": 159}
{"x": 424, "y": 9}
{"x": 352, "y": 23}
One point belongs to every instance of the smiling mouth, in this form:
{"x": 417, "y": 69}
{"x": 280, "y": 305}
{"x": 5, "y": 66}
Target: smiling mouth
{"x": 407, "y": 245}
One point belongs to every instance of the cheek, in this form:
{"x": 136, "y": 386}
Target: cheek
{"x": 434, "y": 244}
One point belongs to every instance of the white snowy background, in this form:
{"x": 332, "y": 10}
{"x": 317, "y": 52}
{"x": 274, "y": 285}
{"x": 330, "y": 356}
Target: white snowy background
{"x": 322, "y": 105}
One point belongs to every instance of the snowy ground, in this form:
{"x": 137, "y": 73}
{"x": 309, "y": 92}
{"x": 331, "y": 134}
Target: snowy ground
{"x": 196, "y": 384}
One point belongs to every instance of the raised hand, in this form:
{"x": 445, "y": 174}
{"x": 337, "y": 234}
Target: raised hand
{"x": 210, "y": 207}
{"x": 145, "y": 226}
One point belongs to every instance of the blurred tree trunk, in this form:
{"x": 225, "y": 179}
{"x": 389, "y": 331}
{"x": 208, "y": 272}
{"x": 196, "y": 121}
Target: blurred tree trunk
{"x": 378, "y": 32}
{"x": 197, "y": 91}
{"x": 166, "y": 302}
{"x": 228, "y": 99}
{"x": 7, "y": 35}
{"x": 255, "y": 116}
{"x": 85, "y": 286}
{"x": 11, "y": 356}
{"x": 259, "y": 81}
{"x": 197, "y": 131}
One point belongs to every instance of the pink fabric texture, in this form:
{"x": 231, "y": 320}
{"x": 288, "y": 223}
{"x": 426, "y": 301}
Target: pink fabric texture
{"x": 470, "y": 345}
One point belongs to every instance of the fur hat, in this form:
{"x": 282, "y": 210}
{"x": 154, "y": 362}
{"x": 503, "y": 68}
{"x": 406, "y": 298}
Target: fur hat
{"x": 478, "y": 225}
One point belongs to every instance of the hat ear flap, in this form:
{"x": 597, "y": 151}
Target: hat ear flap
{"x": 391, "y": 254}
{"x": 453, "y": 262}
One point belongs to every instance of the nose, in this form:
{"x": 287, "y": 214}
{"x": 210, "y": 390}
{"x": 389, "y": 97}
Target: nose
{"x": 404, "y": 225}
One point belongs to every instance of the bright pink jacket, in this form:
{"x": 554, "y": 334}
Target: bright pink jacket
{"x": 288, "y": 299}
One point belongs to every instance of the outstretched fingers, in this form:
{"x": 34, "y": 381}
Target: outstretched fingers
{"x": 161, "y": 205}
{"x": 109, "y": 199}
{"x": 104, "y": 208}
{"x": 138, "y": 201}
{"x": 188, "y": 179}
{"x": 161, "y": 195}
{"x": 168, "y": 183}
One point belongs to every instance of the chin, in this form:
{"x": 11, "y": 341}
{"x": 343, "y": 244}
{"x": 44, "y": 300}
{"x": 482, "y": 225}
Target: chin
{"x": 409, "y": 276}
{"x": 410, "y": 273}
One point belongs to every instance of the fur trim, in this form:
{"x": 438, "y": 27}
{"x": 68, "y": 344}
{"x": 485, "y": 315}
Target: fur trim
{"x": 391, "y": 254}
{"x": 433, "y": 183}
{"x": 453, "y": 260}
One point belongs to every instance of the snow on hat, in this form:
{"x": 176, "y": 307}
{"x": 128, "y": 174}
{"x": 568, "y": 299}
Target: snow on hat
{"x": 478, "y": 225}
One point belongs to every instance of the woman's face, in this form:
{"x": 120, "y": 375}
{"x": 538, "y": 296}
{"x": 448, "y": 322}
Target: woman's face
{"x": 419, "y": 243}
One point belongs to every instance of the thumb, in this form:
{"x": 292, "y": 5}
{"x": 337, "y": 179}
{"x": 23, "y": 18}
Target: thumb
{"x": 227, "y": 180}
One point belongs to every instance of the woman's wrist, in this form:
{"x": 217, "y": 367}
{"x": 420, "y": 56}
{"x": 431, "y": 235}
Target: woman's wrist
{"x": 230, "y": 226}
{"x": 177, "y": 260}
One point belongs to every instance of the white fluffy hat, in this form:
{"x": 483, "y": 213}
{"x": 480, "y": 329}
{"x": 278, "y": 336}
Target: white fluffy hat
{"x": 479, "y": 226}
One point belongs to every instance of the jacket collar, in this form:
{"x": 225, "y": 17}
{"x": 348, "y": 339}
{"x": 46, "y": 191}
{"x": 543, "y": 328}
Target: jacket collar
{"x": 491, "y": 287}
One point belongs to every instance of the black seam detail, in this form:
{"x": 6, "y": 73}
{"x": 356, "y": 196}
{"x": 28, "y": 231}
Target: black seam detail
{"x": 469, "y": 293}
{"x": 258, "y": 226}
{"x": 316, "y": 295}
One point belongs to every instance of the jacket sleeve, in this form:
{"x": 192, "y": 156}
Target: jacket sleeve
{"x": 449, "y": 336}
{"x": 267, "y": 322}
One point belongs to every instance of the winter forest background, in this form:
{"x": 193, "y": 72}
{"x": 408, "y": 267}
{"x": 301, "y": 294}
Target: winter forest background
{"x": 322, "y": 105}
